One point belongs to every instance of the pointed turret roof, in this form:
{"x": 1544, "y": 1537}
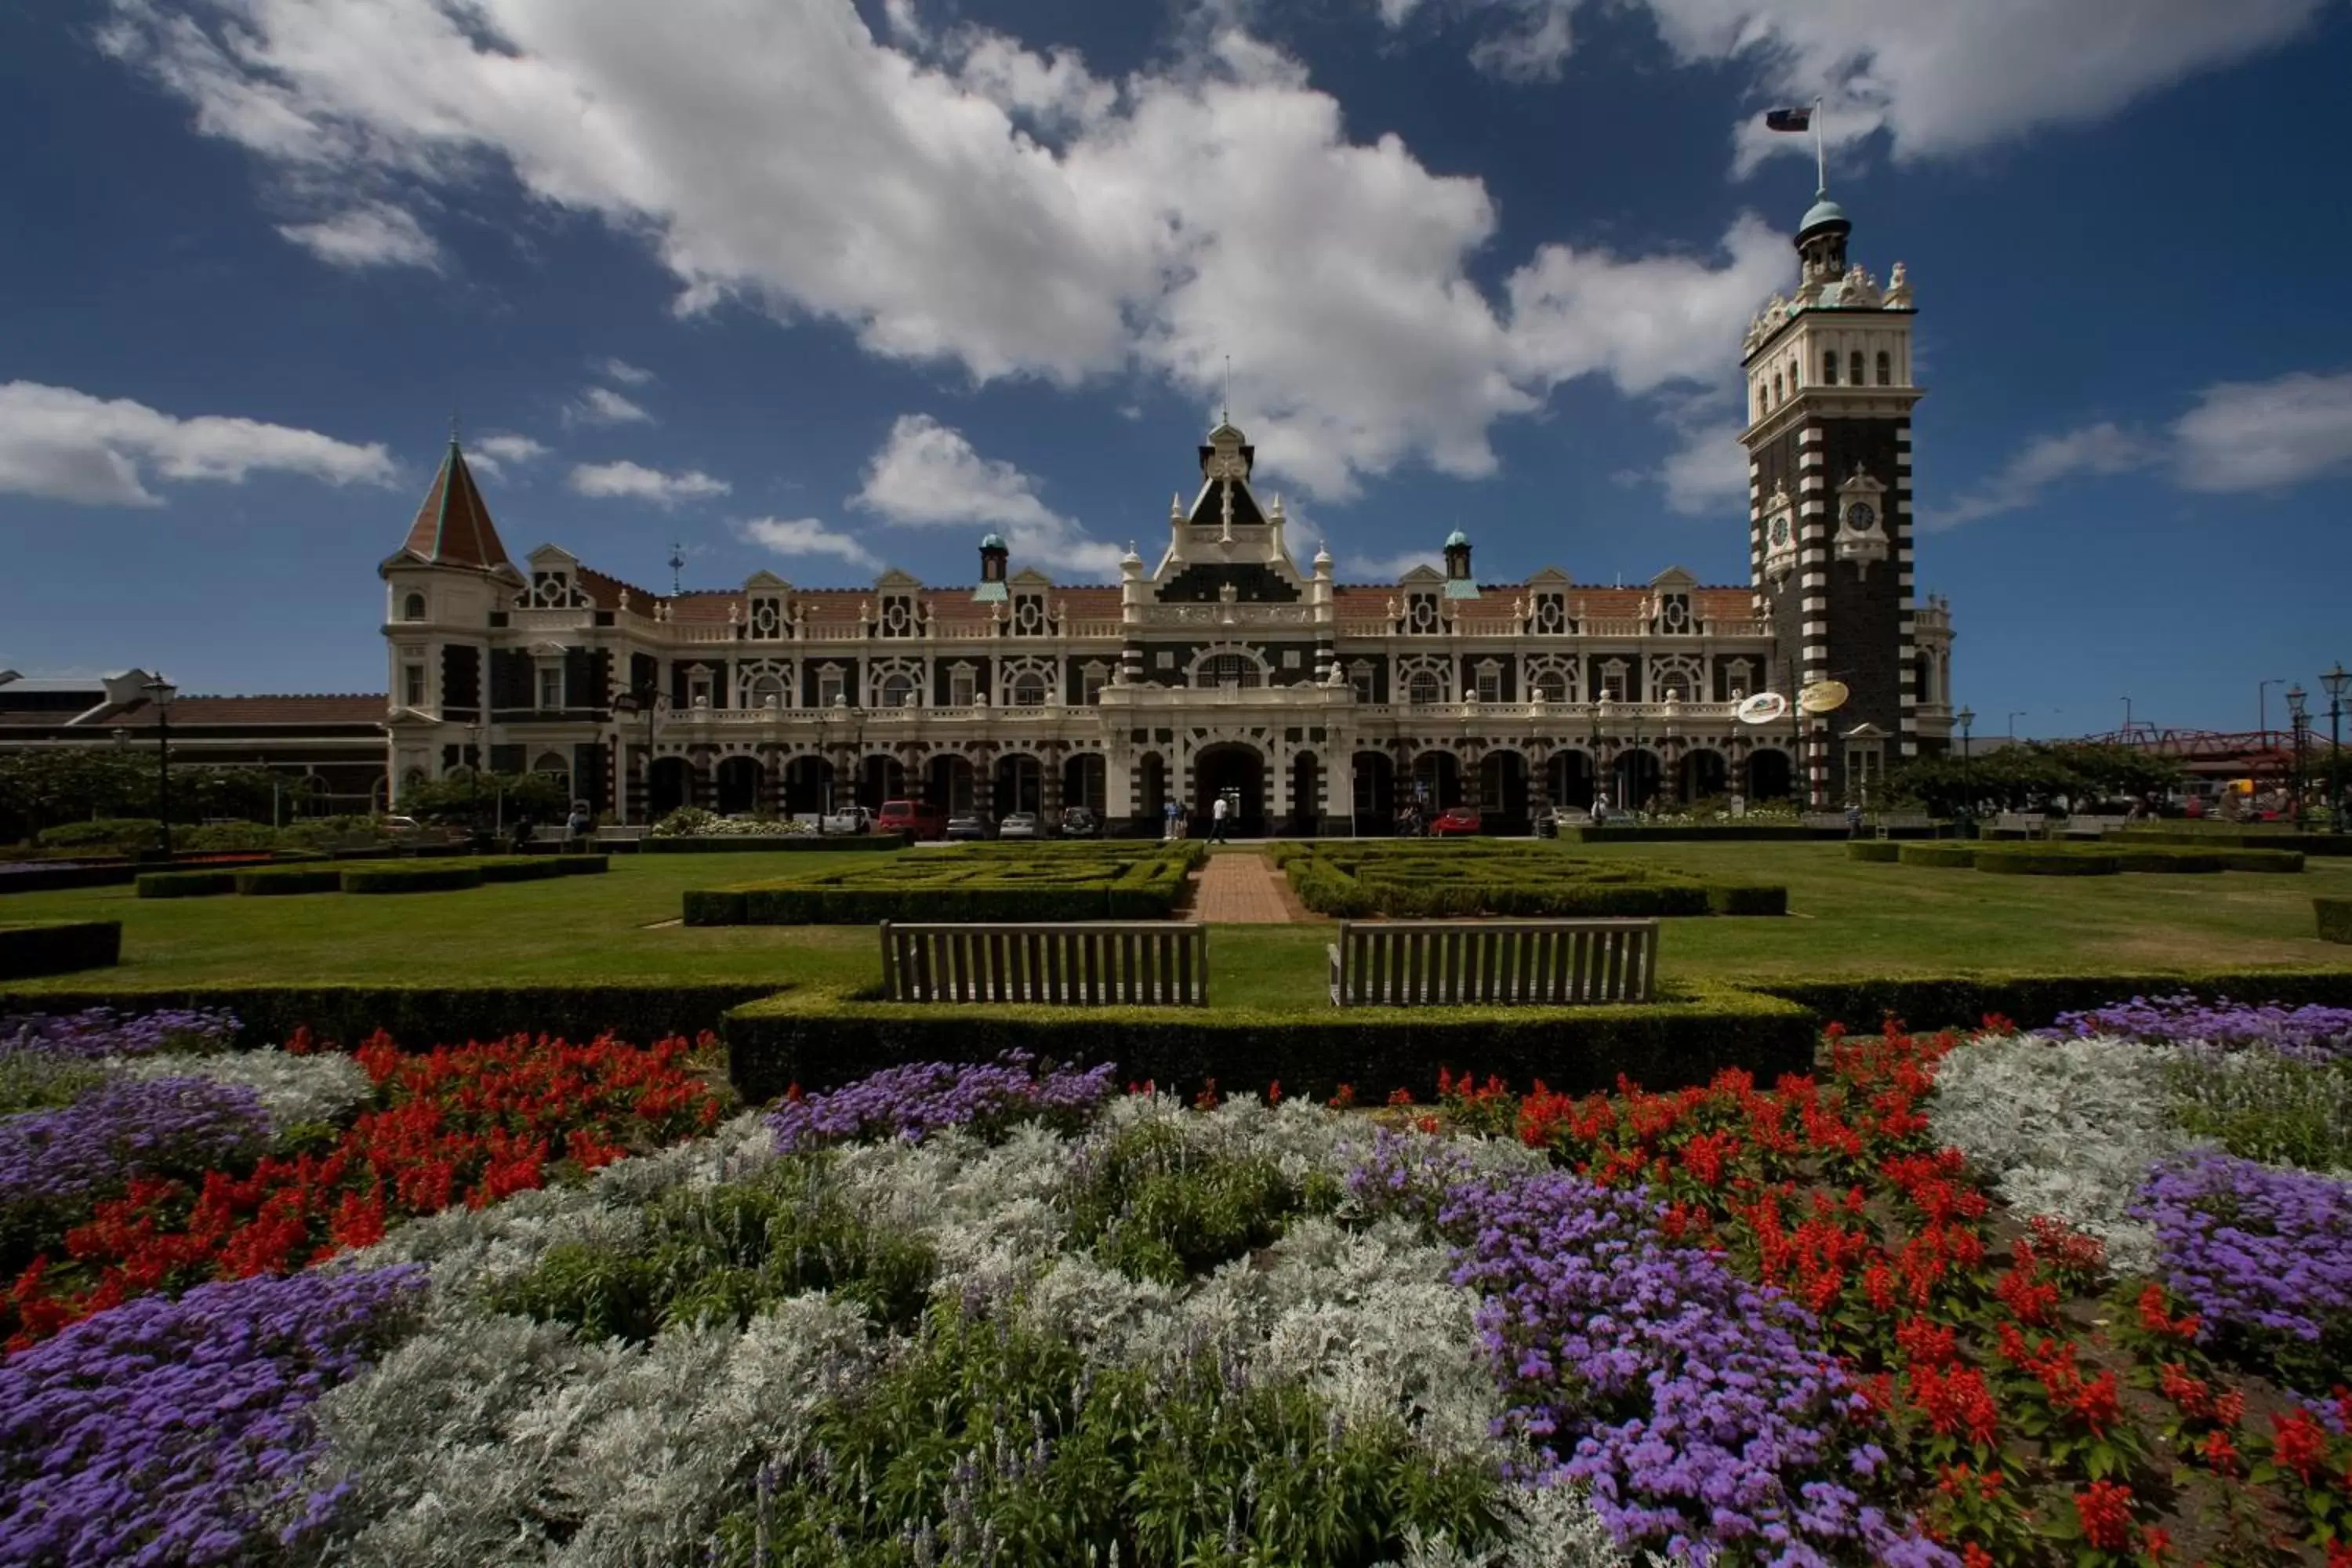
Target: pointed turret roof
{"x": 453, "y": 528}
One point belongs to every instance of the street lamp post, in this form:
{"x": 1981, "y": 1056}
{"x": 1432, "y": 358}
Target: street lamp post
{"x": 1599, "y": 715}
{"x": 2295, "y": 699}
{"x": 1966, "y": 718}
{"x": 2336, "y": 682}
{"x": 160, "y": 691}
{"x": 2013, "y": 717}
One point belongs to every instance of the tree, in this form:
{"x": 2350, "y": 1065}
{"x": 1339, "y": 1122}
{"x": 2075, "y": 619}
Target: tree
{"x": 459, "y": 799}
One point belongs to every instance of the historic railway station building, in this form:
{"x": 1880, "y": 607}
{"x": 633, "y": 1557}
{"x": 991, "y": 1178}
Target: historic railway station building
{"x": 1224, "y": 663}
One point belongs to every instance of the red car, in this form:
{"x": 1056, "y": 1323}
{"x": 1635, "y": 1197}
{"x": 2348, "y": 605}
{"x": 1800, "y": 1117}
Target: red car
{"x": 1454, "y": 822}
{"x": 914, "y": 818}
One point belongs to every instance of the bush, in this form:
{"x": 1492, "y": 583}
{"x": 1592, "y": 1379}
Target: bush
{"x": 2046, "y": 862}
{"x": 185, "y": 884}
{"x": 2032, "y": 1001}
{"x": 818, "y": 1038}
{"x": 1747, "y": 899}
{"x": 2334, "y": 919}
{"x": 1416, "y": 880}
{"x": 1950, "y": 856}
{"x": 58, "y": 947}
{"x": 1884, "y": 849}
{"x": 225, "y": 836}
{"x": 767, "y": 841}
{"x": 1711, "y": 832}
{"x": 418, "y": 879}
{"x": 2160, "y": 858}
{"x": 519, "y": 867}
{"x": 58, "y": 878}
{"x": 119, "y": 833}
{"x": 271, "y": 880}
{"x": 2262, "y": 859}
{"x": 1069, "y": 882}
{"x": 2222, "y": 835}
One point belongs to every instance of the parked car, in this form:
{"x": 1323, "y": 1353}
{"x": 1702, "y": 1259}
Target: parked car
{"x": 846, "y": 819}
{"x": 1021, "y": 824}
{"x": 1080, "y": 822}
{"x": 1458, "y": 821}
{"x": 970, "y": 827}
{"x": 916, "y": 820}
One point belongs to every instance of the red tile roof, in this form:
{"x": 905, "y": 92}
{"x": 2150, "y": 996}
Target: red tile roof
{"x": 355, "y": 708}
{"x": 453, "y": 527}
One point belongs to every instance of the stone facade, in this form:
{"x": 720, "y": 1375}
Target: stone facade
{"x": 1222, "y": 665}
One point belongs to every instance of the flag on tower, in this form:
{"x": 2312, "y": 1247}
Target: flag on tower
{"x": 1788, "y": 119}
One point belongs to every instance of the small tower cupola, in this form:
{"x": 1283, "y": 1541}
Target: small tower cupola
{"x": 1458, "y": 581}
{"x": 1821, "y": 239}
{"x": 993, "y": 557}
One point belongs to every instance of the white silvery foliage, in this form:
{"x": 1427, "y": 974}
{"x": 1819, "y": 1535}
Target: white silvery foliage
{"x": 1541, "y": 1527}
{"x": 990, "y": 1215}
{"x": 2068, "y": 1128}
{"x": 328, "y": 1086}
{"x": 486, "y": 1440}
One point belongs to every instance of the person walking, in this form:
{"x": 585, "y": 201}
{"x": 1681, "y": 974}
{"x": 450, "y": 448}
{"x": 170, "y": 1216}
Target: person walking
{"x": 1854, "y": 819}
{"x": 1217, "y": 820}
{"x": 1601, "y": 809}
{"x": 1174, "y": 814}
{"x": 581, "y": 824}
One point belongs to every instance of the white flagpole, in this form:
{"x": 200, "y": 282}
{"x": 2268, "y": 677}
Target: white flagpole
{"x": 1821, "y": 158}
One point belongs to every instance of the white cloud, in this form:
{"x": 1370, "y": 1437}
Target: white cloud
{"x": 807, "y": 536}
{"x": 926, "y": 475}
{"x": 371, "y": 235}
{"x": 984, "y": 204}
{"x": 2095, "y": 449}
{"x": 1707, "y": 470}
{"x": 2257, "y": 436}
{"x": 603, "y": 405}
{"x": 634, "y": 481}
{"x": 1387, "y": 568}
{"x": 492, "y": 453}
{"x": 64, "y": 445}
{"x": 624, "y": 372}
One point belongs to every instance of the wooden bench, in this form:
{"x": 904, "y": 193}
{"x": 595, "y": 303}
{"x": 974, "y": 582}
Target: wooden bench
{"x": 1071, "y": 964}
{"x": 1440, "y": 963}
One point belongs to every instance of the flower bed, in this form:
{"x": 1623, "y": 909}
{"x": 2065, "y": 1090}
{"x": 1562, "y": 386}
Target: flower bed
{"x": 1410, "y": 879}
{"x": 133, "y": 1169}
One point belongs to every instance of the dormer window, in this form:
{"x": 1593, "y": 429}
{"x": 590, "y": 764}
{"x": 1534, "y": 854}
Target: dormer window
{"x": 1675, "y": 614}
{"x": 1550, "y": 618}
{"x": 411, "y": 608}
{"x": 897, "y": 615}
{"x": 1421, "y": 614}
{"x": 1029, "y": 615}
{"x": 767, "y": 618}
{"x": 556, "y": 591}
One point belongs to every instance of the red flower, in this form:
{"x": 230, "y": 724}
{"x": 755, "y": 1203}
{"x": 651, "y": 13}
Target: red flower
{"x": 2300, "y": 1443}
{"x": 2105, "y": 1512}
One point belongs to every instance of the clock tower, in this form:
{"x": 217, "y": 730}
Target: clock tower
{"x": 1829, "y": 524}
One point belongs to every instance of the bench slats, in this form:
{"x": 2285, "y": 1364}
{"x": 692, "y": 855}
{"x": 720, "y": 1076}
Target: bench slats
{"x": 1078, "y": 964}
{"x": 1457, "y": 963}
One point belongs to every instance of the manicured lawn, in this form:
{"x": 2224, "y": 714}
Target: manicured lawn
{"x": 1845, "y": 919}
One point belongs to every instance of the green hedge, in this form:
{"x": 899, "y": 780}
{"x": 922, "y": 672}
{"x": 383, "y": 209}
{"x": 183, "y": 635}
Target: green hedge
{"x": 2238, "y": 838}
{"x": 2046, "y": 862}
{"x": 272, "y": 880}
{"x": 2334, "y": 919}
{"x": 1938, "y": 1001}
{"x": 58, "y": 947}
{"x": 725, "y": 842}
{"x": 1434, "y": 880}
{"x": 421, "y": 878}
{"x": 185, "y": 884}
{"x": 420, "y": 1017}
{"x": 60, "y": 879}
{"x": 1630, "y": 834}
{"x": 1946, "y": 854}
{"x": 1883, "y": 850}
{"x": 1074, "y": 882}
{"x": 820, "y": 1039}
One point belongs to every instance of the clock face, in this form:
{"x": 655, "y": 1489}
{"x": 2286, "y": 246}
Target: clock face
{"x": 1861, "y": 515}
{"x": 1780, "y": 530}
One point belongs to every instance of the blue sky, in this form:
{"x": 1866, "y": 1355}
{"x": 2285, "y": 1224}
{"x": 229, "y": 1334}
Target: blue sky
{"x": 815, "y": 286}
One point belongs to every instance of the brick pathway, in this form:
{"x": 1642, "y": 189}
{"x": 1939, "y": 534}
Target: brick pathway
{"x": 1239, "y": 889}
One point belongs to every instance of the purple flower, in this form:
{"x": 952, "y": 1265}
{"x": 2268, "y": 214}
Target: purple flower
{"x": 2310, "y": 1034}
{"x": 103, "y": 1032}
{"x": 913, "y": 1100}
{"x": 161, "y": 1431}
{"x": 53, "y": 1164}
{"x": 2255, "y": 1247}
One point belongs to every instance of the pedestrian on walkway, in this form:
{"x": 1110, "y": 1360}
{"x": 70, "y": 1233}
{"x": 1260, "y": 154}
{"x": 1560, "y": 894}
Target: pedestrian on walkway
{"x": 1217, "y": 821}
{"x": 1174, "y": 828}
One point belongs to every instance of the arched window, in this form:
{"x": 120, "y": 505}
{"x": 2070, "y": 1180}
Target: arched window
{"x": 1226, "y": 669}
{"x": 1885, "y": 368}
{"x": 1853, "y": 369}
{"x": 1551, "y": 686}
{"x": 897, "y": 690}
{"x": 1828, "y": 367}
{"x": 1424, "y": 688}
{"x": 1777, "y": 394}
{"x": 1029, "y": 691}
{"x": 411, "y": 608}
{"x": 766, "y": 690}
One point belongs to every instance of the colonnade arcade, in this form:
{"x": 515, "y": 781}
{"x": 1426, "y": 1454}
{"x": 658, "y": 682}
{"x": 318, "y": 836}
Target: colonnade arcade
{"x": 1285, "y": 782}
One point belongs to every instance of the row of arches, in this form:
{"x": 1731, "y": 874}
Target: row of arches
{"x": 1017, "y": 782}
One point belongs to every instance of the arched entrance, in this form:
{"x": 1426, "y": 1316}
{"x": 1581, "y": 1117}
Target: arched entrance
{"x": 948, "y": 785}
{"x": 1306, "y": 794}
{"x": 1151, "y": 793}
{"x": 1375, "y": 791}
{"x": 673, "y": 785}
{"x": 1238, "y": 773}
{"x": 739, "y": 785}
{"x": 1436, "y": 782}
{"x": 1020, "y": 786}
{"x": 1769, "y": 777}
{"x": 1569, "y": 777}
{"x": 808, "y": 785}
{"x": 552, "y": 767}
{"x": 1503, "y": 793}
{"x": 1633, "y": 779}
{"x": 880, "y": 779}
{"x": 1703, "y": 775}
{"x": 1084, "y": 782}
